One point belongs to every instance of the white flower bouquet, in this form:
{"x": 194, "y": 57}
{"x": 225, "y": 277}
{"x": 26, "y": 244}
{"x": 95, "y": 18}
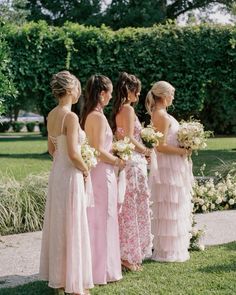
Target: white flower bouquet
{"x": 191, "y": 135}
{"x": 123, "y": 148}
{"x": 89, "y": 155}
{"x": 150, "y": 137}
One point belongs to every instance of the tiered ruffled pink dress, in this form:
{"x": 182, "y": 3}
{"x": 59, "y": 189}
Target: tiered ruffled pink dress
{"x": 171, "y": 195}
{"x": 103, "y": 220}
{"x": 65, "y": 254}
{"x": 135, "y": 214}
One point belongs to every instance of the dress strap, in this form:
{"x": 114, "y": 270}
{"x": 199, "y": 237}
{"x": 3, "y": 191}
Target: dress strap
{"x": 63, "y": 120}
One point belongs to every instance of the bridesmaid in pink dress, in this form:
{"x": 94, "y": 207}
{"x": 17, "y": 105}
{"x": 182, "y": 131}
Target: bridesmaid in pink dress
{"x": 103, "y": 218}
{"x": 65, "y": 254}
{"x": 134, "y": 216}
{"x": 172, "y": 181}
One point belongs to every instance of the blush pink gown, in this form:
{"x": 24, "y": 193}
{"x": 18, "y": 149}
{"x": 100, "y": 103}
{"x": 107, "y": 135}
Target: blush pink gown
{"x": 135, "y": 214}
{"x": 65, "y": 260}
{"x": 103, "y": 221}
{"x": 171, "y": 196}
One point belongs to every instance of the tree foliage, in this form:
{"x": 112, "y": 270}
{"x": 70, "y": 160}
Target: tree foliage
{"x": 57, "y": 12}
{"x": 13, "y": 11}
{"x": 118, "y": 14}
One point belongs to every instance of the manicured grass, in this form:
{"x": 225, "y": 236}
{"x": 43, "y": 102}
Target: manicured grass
{"x": 23, "y": 156}
{"x": 218, "y": 149}
{"x": 210, "y": 272}
{"x": 27, "y": 154}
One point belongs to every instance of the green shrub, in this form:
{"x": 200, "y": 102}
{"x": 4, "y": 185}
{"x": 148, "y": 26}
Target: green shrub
{"x": 17, "y": 126}
{"x": 43, "y": 129}
{"x": 198, "y": 60}
{"x": 22, "y": 203}
{"x": 4, "y": 126}
{"x": 30, "y": 126}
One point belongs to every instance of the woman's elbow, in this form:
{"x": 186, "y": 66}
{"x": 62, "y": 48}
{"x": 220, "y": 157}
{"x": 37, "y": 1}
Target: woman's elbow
{"x": 73, "y": 156}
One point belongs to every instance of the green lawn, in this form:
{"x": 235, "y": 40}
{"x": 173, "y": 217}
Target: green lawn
{"x": 22, "y": 156}
{"x": 25, "y": 155}
{"x": 212, "y": 272}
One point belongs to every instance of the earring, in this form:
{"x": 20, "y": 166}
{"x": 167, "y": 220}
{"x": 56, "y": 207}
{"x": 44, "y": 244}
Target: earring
{"x": 101, "y": 98}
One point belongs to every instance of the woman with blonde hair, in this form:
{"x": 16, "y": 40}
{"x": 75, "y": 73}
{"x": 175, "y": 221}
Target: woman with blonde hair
{"x": 65, "y": 254}
{"x": 134, "y": 216}
{"x": 172, "y": 181}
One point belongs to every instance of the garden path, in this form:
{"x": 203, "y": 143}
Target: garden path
{"x": 19, "y": 254}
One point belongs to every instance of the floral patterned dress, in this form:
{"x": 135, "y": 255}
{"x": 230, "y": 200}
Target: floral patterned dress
{"x": 135, "y": 214}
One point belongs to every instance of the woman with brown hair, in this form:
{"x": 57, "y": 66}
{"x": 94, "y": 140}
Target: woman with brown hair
{"x": 134, "y": 216}
{"x": 103, "y": 219}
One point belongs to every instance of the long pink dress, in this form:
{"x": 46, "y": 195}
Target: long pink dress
{"x": 171, "y": 196}
{"x": 135, "y": 214}
{"x": 103, "y": 221}
{"x": 65, "y": 254}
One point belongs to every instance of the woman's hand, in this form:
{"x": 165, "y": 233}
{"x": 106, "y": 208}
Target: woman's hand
{"x": 147, "y": 152}
{"x": 120, "y": 163}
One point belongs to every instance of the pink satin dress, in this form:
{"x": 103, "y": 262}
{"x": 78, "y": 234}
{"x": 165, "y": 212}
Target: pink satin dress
{"x": 65, "y": 260}
{"x": 103, "y": 221}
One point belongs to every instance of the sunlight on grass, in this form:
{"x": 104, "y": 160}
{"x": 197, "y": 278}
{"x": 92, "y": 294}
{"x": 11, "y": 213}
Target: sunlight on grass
{"x": 22, "y": 156}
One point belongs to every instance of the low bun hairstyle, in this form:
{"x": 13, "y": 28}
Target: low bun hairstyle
{"x": 158, "y": 91}
{"x": 62, "y": 82}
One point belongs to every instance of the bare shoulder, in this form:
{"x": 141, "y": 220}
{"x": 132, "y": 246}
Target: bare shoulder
{"x": 160, "y": 119}
{"x": 71, "y": 118}
{"x": 128, "y": 110}
{"x": 95, "y": 117}
{"x": 52, "y": 113}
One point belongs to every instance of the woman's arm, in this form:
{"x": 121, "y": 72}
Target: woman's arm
{"x": 128, "y": 119}
{"x": 72, "y": 126}
{"x": 162, "y": 123}
{"x": 95, "y": 129}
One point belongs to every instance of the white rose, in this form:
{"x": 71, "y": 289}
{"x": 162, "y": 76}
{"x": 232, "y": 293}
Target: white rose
{"x": 201, "y": 201}
{"x": 213, "y": 206}
{"x": 201, "y": 247}
{"x": 204, "y": 208}
{"x": 218, "y": 201}
{"x": 231, "y": 201}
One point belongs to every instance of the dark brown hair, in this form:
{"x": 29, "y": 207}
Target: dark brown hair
{"x": 125, "y": 83}
{"x": 95, "y": 85}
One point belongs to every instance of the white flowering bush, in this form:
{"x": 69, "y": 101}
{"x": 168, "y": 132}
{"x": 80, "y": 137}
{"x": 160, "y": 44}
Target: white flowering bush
{"x": 150, "y": 136}
{"x": 123, "y": 148}
{"x": 211, "y": 196}
{"x": 191, "y": 135}
{"x": 195, "y": 238}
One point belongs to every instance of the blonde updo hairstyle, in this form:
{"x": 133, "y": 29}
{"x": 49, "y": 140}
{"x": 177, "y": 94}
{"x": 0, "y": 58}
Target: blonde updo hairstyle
{"x": 62, "y": 83}
{"x": 159, "y": 91}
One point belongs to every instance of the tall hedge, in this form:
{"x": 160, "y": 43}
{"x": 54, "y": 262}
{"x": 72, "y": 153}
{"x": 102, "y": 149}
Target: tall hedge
{"x": 200, "y": 61}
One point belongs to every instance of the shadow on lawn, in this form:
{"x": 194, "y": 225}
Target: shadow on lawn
{"x": 33, "y": 288}
{"x": 22, "y": 138}
{"x": 43, "y": 156}
{"x": 219, "y": 268}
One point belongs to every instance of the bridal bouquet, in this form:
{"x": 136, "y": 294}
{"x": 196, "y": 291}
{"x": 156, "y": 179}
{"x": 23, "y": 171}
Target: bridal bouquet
{"x": 191, "y": 135}
{"x": 150, "y": 137}
{"x": 89, "y": 155}
{"x": 123, "y": 148}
